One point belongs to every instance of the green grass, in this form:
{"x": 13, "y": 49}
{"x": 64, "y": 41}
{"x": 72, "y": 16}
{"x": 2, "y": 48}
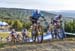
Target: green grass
{"x": 4, "y": 34}
{"x": 2, "y": 44}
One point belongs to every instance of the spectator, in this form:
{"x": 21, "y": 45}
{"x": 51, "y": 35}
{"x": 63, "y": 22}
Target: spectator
{"x": 24, "y": 34}
{"x": 13, "y": 34}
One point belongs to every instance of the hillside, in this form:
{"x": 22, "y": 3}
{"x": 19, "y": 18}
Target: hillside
{"x": 23, "y": 14}
{"x": 15, "y": 13}
{"x": 66, "y": 13}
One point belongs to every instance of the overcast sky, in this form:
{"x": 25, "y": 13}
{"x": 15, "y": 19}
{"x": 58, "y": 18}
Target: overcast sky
{"x": 39, "y": 4}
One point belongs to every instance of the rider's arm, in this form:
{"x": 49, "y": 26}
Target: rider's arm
{"x": 43, "y": 17}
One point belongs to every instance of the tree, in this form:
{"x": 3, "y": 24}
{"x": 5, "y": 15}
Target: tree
{"x": 17, "y": 25}
{"x": 26, "y": 25}
{"x": 70, "y": 26}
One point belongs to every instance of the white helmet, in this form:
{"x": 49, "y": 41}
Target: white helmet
{"x": 37, "y": 11}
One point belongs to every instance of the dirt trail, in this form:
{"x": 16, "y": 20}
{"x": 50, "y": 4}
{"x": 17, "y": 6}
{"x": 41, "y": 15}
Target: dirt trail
{"x": 61, "y": 45}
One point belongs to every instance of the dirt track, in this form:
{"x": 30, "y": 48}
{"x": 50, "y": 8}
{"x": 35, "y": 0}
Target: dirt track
{"x": 65, "y": 45}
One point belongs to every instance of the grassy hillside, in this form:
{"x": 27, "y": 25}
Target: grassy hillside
{"x": 23, "y": 14}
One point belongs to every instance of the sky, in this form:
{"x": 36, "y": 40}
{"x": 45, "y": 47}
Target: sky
{"x": 39, "y": 4}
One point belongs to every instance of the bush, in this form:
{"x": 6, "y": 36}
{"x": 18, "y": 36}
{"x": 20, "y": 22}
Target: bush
{"x": 26, "y": 25}
{"x": 17, "y": 25}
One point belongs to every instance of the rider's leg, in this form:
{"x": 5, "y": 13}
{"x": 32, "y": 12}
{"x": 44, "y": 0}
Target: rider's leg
{"x": 55, "y": 33}
{"x": 33, "y": 37}
{"x": 13, "y": 39}
{"x": 41, "y": 37}
{"x": 59, "y": 33}
{"x": 23, "y": 38}
{"x": 63, "y": 34}
{"x": 37, "y": 36}
{"x": 52, "y": 33}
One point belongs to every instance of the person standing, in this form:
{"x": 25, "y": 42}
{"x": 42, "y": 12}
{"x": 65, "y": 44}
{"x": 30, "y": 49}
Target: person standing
{"x": 24, "y": 34}
{"x": 13, "y": 35}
